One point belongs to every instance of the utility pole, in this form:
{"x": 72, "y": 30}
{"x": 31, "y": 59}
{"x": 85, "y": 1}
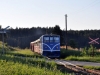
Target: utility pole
{"x": 3, "y": 42}
{"x": 3, "y": 31}
{"x": 46, "y": 30}
{"x": 66, "y": 29}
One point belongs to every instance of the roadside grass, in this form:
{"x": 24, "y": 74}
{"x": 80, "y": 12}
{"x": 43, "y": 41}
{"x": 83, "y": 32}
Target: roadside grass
{"x": 84, "y": 58}
{"x": 17, "y": 61}
{"x": 76, "y": 56}
{"x": 66, "y": 53}
{"x": 8, "y": 50}
{"x": 17, "y": 68}
{"x": 31, "y": 63}
{"x": 24, "y": 53}
{"x": 92, "y": 67}
{"x": 14, "y": 65}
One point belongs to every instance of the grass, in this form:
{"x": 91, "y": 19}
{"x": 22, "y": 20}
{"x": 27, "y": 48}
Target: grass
{"x": 19, "y": 52}
{"x": 17, "y": 61}
{"x": 84, "y": 58}
{"x": 14, "y": 65}
{"x": 92, "y": 67}
{"x": 76, "y": 56}
{"x": 66, "y": 53}
{"x": 23, "y": 51}
{"x": 12, "y": 68}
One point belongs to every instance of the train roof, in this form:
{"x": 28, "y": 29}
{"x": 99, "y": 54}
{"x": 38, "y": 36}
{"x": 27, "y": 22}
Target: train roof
{"x": 43, "y": 36}
{"x": 50, "y": 35}
{"x": 36, "y": 41}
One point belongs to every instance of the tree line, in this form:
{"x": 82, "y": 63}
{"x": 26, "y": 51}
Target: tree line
{"x": 21, "y": 37}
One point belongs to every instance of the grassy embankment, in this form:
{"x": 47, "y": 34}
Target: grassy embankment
{"x": 16, "y": 61}
{"x": 75, "y": 55}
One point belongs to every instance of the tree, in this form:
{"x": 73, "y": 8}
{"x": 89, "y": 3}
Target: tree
{"x": 72, "y": 43}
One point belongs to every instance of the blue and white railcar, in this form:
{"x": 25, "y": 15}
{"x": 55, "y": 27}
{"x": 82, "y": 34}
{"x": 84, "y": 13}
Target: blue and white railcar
{"x": 50, "y": 45}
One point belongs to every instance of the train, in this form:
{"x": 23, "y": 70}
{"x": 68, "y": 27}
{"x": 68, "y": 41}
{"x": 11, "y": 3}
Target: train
{"x": 47, "y": 45}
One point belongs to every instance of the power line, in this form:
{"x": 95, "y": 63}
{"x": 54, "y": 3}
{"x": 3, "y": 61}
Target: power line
{"x": 86, "y": 7}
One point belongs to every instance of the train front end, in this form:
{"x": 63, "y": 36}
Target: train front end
{"x": 51, "y": 46}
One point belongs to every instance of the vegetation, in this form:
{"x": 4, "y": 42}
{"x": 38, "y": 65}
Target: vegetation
{"x": 21, "y": 37}
{"x": 17, "y": 61}
{"x": 78, "y": 55}
{"x": 10, "y": 65}
{"x": 84, "y": 58}
{"x": 67, "y": 53}
{"x": 92, "y": 67}
{"x": 75, "y": 55}
{"x": 72, "y": 43}
{"x": 86, "y": 54}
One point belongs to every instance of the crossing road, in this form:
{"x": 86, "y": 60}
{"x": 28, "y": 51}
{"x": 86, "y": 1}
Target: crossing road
{"x": 80, "y": 63}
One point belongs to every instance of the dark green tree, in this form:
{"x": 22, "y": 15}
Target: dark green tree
{"x": 72, "y": 43}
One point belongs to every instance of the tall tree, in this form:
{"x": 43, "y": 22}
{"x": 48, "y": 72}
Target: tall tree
{"x": 72, "y": 43}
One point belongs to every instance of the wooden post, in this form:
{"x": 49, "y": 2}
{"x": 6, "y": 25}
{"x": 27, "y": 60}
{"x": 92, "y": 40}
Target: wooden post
{"x": 66, "y": 29}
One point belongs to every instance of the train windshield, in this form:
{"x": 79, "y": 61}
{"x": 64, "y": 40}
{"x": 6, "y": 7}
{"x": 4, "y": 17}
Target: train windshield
{"x": 46, "y": 39}
{"x": 51, "y": 39}
{"x": 56, "y": 39}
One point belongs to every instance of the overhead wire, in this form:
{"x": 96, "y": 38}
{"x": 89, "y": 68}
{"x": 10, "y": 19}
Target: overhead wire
{"x": 82, "y": 10}
{"x": 87, "y": 6}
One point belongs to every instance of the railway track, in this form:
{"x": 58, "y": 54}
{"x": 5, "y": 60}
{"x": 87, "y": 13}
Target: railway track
{"x": 74, "y": 68}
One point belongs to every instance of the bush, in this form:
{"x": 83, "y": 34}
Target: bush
{"x": 66, "y": 53}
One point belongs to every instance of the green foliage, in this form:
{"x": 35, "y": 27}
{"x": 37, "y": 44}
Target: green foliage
{"x": 57, "y": 30}
{"x": 66, "y": 53}
{"x": 92, "y": 67}
{"x": 15, "y": 65}
{"x": 88, "y": 51}
{"x": 84, "y": 58}
{"x": 26, "y": 62}
{"x": 72, "y": 43}
{"x": 84, "y": 52}
{"x": 18, "y": 36}
{"x": 12, "y": 68}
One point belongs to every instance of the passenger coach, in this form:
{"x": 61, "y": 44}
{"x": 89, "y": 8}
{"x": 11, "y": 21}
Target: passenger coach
{"x": 47, "y": 45}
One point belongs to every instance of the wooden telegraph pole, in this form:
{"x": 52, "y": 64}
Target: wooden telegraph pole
{"x": 3, "y": 31}
{"x": 66, "y": 29}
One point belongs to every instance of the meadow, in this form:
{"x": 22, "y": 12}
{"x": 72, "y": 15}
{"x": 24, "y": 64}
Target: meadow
{"x": 79, "y": 56}
{"x": 76, "y": 55}
{"x": 16, "y": 61}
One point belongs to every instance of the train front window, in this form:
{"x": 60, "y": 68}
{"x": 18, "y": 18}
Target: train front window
{"x": 51, "y": 39}
{"x": 46, "y": 39}
{"x": 56, "y": 39}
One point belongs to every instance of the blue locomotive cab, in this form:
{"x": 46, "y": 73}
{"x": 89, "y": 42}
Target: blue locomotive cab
{"x": 51, "y": 45}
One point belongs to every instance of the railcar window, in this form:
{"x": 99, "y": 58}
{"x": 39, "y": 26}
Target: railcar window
{"x": 51, "y": 39}
{"x": 46, "y": 39}
{"x": 56, "y": 39}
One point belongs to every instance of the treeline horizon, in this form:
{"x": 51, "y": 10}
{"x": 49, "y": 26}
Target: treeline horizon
{"x": 21, "y": 37}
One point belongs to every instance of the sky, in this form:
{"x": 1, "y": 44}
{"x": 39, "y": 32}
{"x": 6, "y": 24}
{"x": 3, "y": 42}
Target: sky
{"x": 81, "y": 14}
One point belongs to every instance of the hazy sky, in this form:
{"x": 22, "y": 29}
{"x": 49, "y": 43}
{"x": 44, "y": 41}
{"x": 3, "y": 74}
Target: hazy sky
{"x": 82, "y": 14}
